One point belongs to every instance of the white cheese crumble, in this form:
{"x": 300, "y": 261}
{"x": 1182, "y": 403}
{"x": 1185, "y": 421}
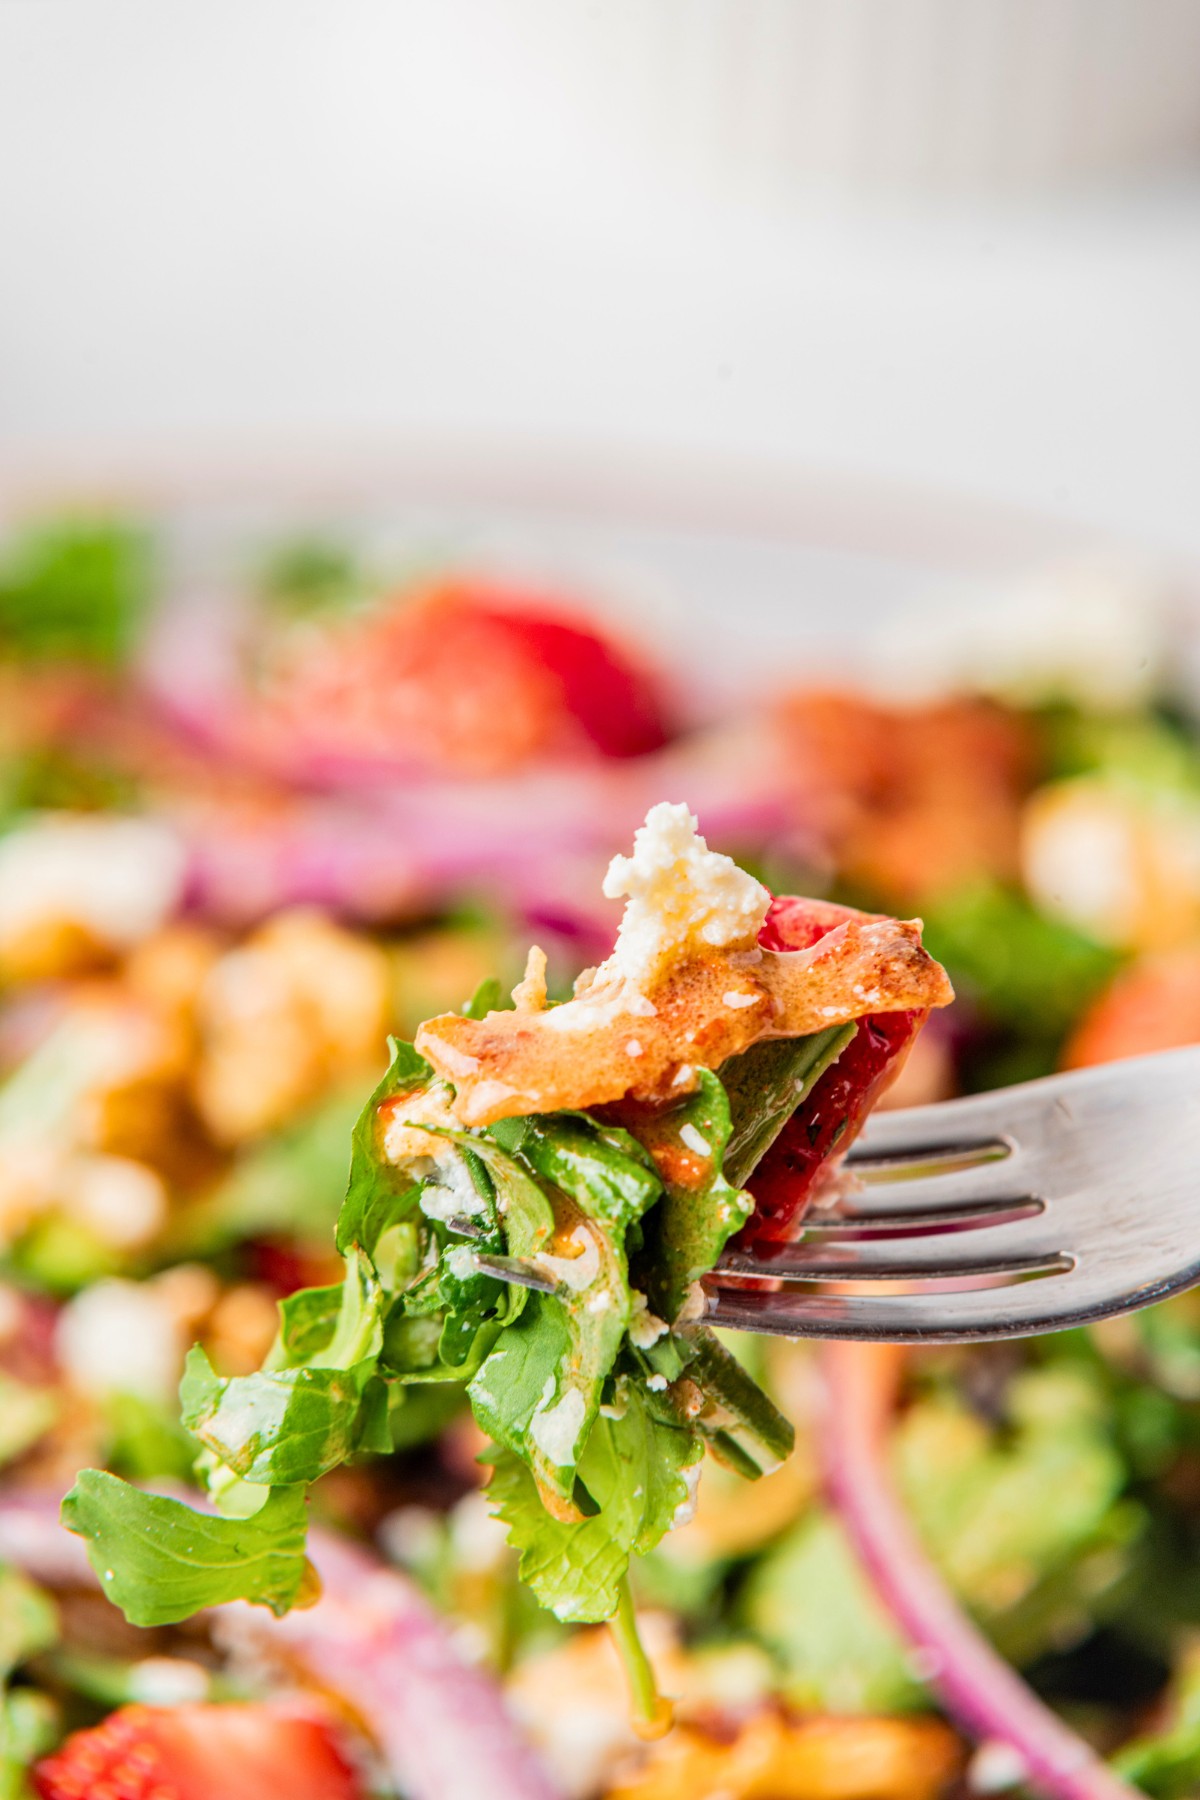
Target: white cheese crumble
{"x": 460, "y": 1260}
{"x": 681, "y": 896}
{"x": 686, "y": 1510}
{"x": 574, "y": 1272}
{"x": 735, "y": 1000}
{"x": 695, "y": 1306}
{"x": 691, "y": 1137}
{"x": 451, "y": 1194}
{"x": 645, "y": 1327}
{"x": 555, "y": 1429}
{"x": 403, "y": 1137}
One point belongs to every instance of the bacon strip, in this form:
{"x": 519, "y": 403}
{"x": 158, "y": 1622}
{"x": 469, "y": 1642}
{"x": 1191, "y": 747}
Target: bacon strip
{"x": 611, "y": 1041}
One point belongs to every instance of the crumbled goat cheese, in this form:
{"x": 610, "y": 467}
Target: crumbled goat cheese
{"x": 685, "y": 1511}
{"x": 656, "y": 1383}
{"x": 451, "y": 1194}
{"x": 645, "y": 1327}
{"x": 460, "y": 1261}
{"x": 695, "y": 1306}
{"x": 118, "y": 878}
{"x": 574, "y": 1272}
{"x": 403, "y": 1136}
{"x": 555, "y": 1429}
{"x": 736, "y": 1000}
{"x": 633, "y": 1048}
{"x": 691, "y": 1137}
{"x": 681, "y": 897}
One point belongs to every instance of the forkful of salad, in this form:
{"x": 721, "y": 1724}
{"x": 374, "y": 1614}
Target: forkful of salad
{"x": 1000, "y": 1215}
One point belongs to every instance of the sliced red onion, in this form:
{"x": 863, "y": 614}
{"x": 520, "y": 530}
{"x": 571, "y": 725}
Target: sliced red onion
{"x": 978, "y": 1688}
{"x": 371, "y": 1639}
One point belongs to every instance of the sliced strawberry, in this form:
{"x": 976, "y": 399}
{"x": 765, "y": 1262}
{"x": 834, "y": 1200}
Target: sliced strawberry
{"x": 615, "y": 703}
{"x": 468, "y": 678}
{"x": 832, "y": 1116}
{"x": 200, "y": 1753}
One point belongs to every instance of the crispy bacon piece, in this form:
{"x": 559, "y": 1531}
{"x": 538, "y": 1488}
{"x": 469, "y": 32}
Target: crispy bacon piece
{"x": 612, "y": 1041}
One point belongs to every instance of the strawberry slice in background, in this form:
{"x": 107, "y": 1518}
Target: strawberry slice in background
{"x": 831, "y": 1117}
{"x": 466, "y": 678}
{"x": 200, "y": 1752}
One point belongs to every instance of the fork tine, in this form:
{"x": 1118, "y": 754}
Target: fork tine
{"x": 1019, "y": 1247}
{"x": 977, "y": 1315}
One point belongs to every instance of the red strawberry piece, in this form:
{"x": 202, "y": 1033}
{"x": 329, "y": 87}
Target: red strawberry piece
{"x": 828, "y": 1121}
{"x": 200, "y": 1753}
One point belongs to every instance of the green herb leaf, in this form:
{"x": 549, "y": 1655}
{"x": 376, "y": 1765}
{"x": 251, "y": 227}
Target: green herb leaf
{"x": 379, "y": 1193}
{"x": 555, "y": 1358}
{"x": 766, "y": 1084}
{"x": 743, "y": 1426}
{"x": 160, "y": 1561}
{"x": 700, "y": 1209}
{"x": 634, "y": 1468}
{"x": 276, "y": 1429}
{"x": 488, "y": 997}
{"x": 604, "y": 1169}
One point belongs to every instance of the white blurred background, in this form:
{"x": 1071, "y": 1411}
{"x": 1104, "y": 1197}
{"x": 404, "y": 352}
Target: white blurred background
{"x": 948, "y": 246}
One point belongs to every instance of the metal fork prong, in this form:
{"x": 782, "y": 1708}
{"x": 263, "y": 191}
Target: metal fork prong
{"x": 913, "y": 1259}
{"x": 1020, "y": 1310}
{"x": 925, "y": 1161}
{"x": 851, "y": 1225}
{"x": 516, "y": 1271}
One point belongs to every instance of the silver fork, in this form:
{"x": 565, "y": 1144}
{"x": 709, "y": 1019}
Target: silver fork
{"x": 1030, "y": 1209}
{"x": 1026, "y": 1210}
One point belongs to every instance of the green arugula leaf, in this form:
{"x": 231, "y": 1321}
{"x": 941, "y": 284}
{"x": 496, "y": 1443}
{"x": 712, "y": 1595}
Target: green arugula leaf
{"x": 555, "y": 1358}
{"x": 488, "y": 997}
{"x": 766, "y": 1084}
{"x": 160, "y": 1561}
{"x": 604, "y": 1169}
{"x": 379, "y": 1193}
{"x": 307, "y": 1321}
{"x": 744, "y": 1427}
{"x": 524, "y": 1210}
{"x": 635, "y": 1469}
{"x": 276, "y": 1429}
{"x": 700, "y": 1209}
